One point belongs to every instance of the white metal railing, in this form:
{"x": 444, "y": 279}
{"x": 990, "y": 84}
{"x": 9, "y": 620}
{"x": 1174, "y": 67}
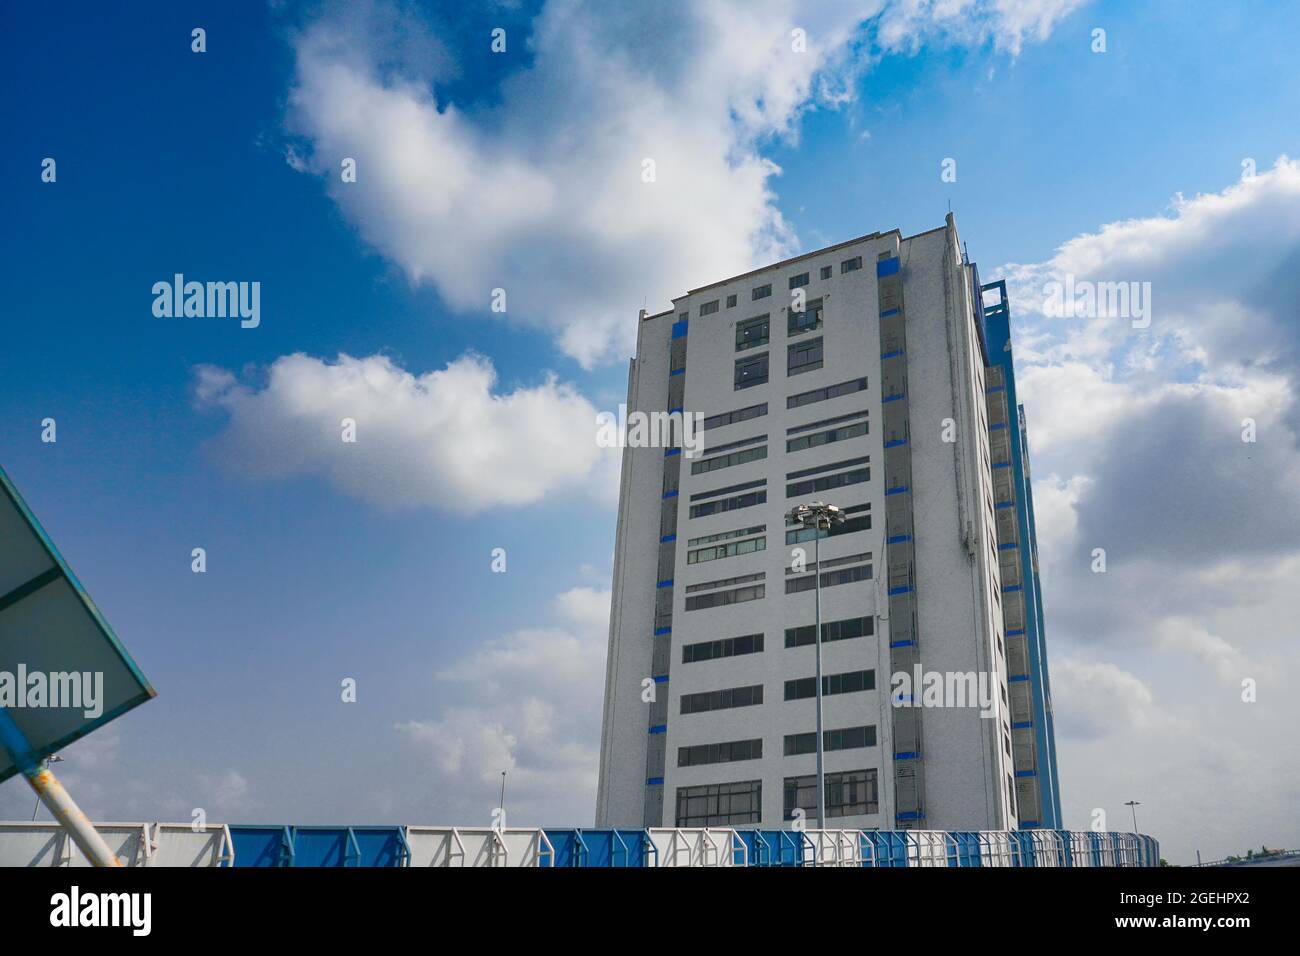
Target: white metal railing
{"x": 179, "y": 844}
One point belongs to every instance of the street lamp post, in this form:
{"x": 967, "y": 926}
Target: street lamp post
{"x": 820, "y": 516}
{"x": 1133, "y": 805}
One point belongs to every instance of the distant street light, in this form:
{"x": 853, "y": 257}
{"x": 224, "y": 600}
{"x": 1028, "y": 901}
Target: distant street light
{"x": 1133, "y": 805}
{"x": 821, "y": 516}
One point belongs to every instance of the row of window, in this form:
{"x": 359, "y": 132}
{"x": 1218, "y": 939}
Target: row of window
{"x": 849, "y": 793}
{"x": 728, "y": 460}
{"x": 795, "y": 282}
{"x": 844, "y": 630}
{"x": 726, "y": 647}
{"x": 727, "y": 752}
{"x": 817, "y": 439}
{"x": 830, "y": 579}
{"x": 723, "y": 598}
{"x": 729, "y": 550}
{"x": 850, "y": 682}
{"x": 794, "y": 401}
{"x": 735, "y": 502}
{"x": 846, "y": 738}
{"x": 727, "y": 535}
{"x": 725, "y": 699}
{"x": 731, "y": 751}
{"x": 800, "y": 488}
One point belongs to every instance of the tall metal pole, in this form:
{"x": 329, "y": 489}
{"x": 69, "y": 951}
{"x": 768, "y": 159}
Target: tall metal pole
{"x": 503, "y": 797}
{"x": 55, "y": 798}
{"x": 817, "y": 637}
{"x": 1133, "y": 805}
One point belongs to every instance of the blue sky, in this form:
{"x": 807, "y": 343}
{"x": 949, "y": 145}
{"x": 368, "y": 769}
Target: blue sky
{"x": 223, "y": 166}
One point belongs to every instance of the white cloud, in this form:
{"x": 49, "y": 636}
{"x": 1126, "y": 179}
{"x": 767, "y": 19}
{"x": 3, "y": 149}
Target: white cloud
{"x": 530, "y": 704}
{"x": 1136, "y": 439}
{"x": 447, "y": 438}
{"x": 543, "y": 194}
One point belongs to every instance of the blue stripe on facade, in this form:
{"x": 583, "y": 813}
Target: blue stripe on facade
{"x": 1011, "y": 588}
{"x": 898, "y": 490}
{"x": 889, "y": 355}
{"x": 906, "y": 755}
{"x": 659, "y": 631}
{"x": 892, "y": 398}
{"x": 1026, "y": 773}
{"x": 898, "y": 539}
{"x": 654, "y": 781}
{"x": 659, "y": 729}
{"x": 663, "y": 679}
{"x": 905, "y": 589}
{"x": 888, "y": 313}
{"x": 665, "y": 584}
{"x": 896, "y": 443}
{"x": 679, "y": 329}
{"x": 1021, "y": 724}
{"x": 1011, "y": 680}
{"x": 677, "y": 371}
{"x": 1009, "y": 546}
{"x": 887, "y": 267}
{"x": 1016, "y": 633}
{"x": 891, "y": 644}
{"x": 669, "y": 452}
{"x": 668, "y": 537}
{"x": 670, "y": 494}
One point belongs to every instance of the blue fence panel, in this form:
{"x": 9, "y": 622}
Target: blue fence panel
{"x": 263, "y": 846}
{"x": 967, "y": 851}
{"x": 381, "y": 846}
{"x": 630, "y": 847}
{"x": 324, "y": 846}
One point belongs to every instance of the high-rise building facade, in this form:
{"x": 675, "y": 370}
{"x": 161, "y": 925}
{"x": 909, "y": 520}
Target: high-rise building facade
{"x": 895, "y": 406}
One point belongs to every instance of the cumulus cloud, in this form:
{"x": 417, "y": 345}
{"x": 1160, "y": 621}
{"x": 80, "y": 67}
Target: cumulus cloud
{"x": 446, "y": 438}
{"x": 1136, "y": 435}
{"x": 529, "y": 704}
{"x": 545, "y": 194}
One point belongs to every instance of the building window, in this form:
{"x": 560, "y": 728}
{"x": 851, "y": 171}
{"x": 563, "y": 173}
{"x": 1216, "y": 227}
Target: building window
{"x": 797, "y": 282}
{"x": 731, "y": 302}
{"x": 841, "y": 480}
{"x": 708, "y": 308}
{"x": 751, "y": 333}
{"x": 851, "y": 265}
{"x": 751, "y": 371}
{"x": 729, "y": 751}
{"x": 850, "y": 682}
{"x": 722, "y": 699}
{"x": 726, "y": 461}
{"x": 762, "y": 292}
{"x": 844, "y": 630}
{"x": 739, "y": 415}
{"x": 822, "y": 394}
{"x": 806, "y": 321}
{"x": 847, "y": 738}
{"x": 727, "y": 647}
{"x": 734, "y": 503}
{"x": 804, "y": 357}
{"x": 723, "y": 598}
{"x": 730, "y": 550}
{"x": 843, "y": 432}
{"x": 720, "y": 804}
{"x": 829, "y": 580}
{"x": 853, "y": 793}
{"x": 826, "y": 271}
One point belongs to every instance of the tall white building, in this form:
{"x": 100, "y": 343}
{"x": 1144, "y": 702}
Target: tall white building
{"x": 854, "y": 375}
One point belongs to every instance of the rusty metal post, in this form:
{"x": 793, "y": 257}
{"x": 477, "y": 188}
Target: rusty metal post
{"x": 55, "y": 798}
